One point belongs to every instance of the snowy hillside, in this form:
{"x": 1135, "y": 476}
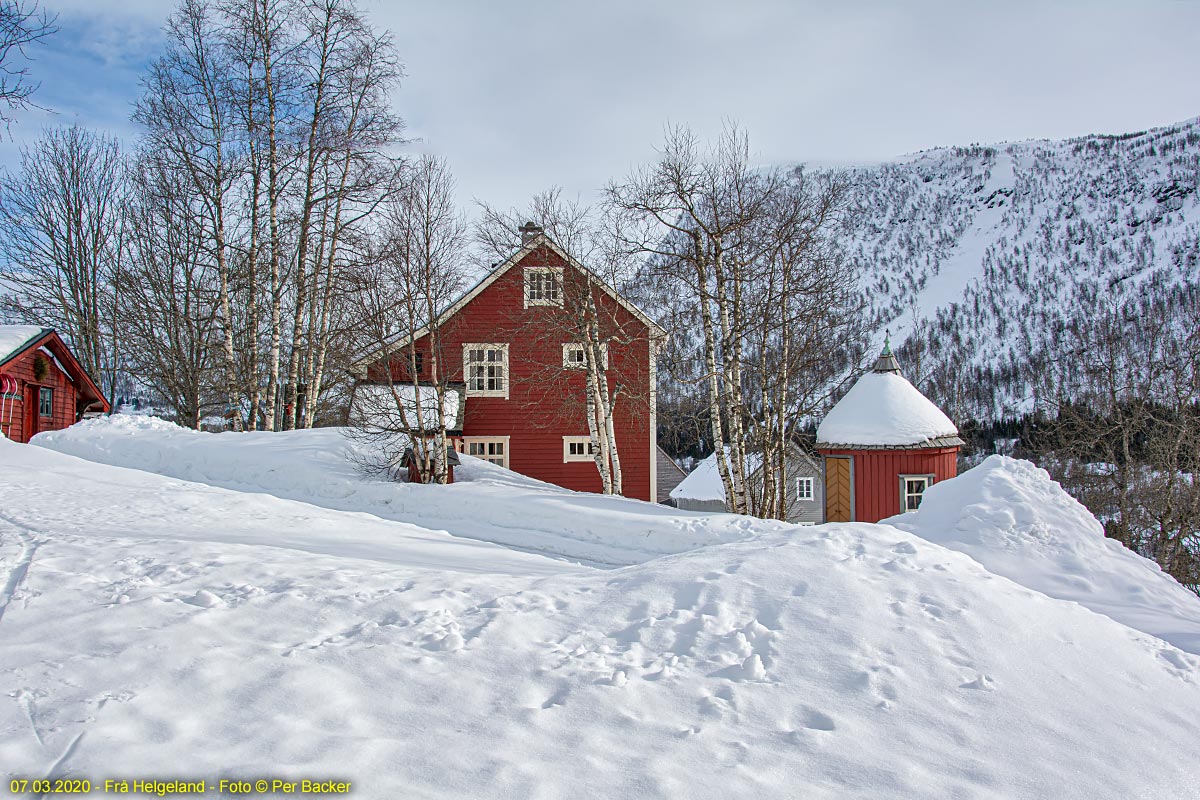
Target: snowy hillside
{"x": 979, "y": 253}
{"x": 153, "y": 624}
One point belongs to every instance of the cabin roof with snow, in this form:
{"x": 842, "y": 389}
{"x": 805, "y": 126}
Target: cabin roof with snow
{"x": 884, "y": 411}
{"x": 16, "y": 340}
{"x": 704, "y": 482}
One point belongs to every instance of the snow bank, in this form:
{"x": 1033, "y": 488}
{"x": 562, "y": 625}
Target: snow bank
{"x": 42, "y": 489}
{"x": 1014, "y": 520}
{"x": 883, "y": 408}
{"x": 146, "y": 632}
{"x": 488, "y": 502}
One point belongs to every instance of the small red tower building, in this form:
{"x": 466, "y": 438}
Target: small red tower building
{"x": 883, "y": 444}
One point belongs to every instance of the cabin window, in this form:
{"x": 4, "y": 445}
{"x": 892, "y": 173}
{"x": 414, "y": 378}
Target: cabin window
{"x": 573, "y": 356}
{"x": 46, "y": 401}
{"x": 543, "y": 287}
{"x": 912, "y": 489}
{"x": 804, "y": 488}
{"x": 489, "y": 448}
{"x": 486, "y": 369}
{"x": 417, "y": 362}
{"x": 578, "y": 448}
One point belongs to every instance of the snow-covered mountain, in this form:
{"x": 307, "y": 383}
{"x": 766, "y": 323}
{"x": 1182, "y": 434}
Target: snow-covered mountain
{"x": 975, "y": 255}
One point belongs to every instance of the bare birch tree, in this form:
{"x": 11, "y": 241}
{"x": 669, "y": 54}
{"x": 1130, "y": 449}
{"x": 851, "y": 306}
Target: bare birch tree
{"x": 21, "y": 24}
{"x": 189, "y": 119}
{"x": 748, "y": 259}
{"x": 169, "y": 306}
{"x": 62, "y": 228}
{"x": 420, "y": 270}
{"x": 587, "y": 324}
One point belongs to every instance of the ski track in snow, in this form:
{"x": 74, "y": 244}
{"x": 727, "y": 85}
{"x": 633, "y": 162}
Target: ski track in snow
{"x": 16, "y": 574}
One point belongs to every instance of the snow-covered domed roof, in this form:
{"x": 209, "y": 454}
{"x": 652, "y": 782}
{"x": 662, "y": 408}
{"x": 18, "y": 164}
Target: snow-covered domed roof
{"x": 883, "y": 409}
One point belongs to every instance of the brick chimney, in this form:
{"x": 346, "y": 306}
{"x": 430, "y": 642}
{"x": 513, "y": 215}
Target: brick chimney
{"x": 529, "y": 232}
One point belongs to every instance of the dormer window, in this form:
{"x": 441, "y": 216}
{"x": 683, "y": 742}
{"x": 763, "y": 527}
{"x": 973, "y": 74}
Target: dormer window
{"x": 543, "y": 286}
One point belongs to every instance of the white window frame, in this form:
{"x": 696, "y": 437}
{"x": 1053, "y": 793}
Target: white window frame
{"x": 569, "y": 457}
{"x": 904, "y": 493}
{"x": 803, "y": 483}
{"x": 486, "y": 440}
{"x": 576, "y": 347}
{"x": 505, "y": 378}
{"x": 557, "y": 300}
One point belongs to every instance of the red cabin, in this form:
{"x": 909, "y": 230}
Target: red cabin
{"x": 524, "y": 397}
{"x": 884, "y": 444}
{"x": 42, "y": 385}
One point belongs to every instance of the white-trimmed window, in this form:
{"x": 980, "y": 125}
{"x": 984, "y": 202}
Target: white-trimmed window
{"x": 578, "y": 448}
{"x": 912, "y": 489}
{"x": 804, "y": 488}
{"x": 485, "y": 368}
{"x": 489, "y": 448}
{"x": 543, "y": 286}
{"x": 574, "y": 358}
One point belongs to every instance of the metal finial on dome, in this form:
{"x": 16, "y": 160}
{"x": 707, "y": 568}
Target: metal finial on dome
{"x": 886, "y": 361}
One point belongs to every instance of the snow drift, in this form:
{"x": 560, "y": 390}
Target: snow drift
{"x": 1014, "y": 520}
{"x": 318, "y": 466}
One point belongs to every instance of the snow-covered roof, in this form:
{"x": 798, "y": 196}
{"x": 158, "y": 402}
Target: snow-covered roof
{"x": 380, "y": 405}
{"x": 704, "y": 482}
{"x": 13, "y": 338}
{"x": 884, "y": 410}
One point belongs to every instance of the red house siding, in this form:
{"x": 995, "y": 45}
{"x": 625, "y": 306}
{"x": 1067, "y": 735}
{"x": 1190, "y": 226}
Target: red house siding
{"x": 26, "y": 421}
{"x": 20, "y": 415}
{"x": 876, "y": 475}
{"x": 546, "y": 402}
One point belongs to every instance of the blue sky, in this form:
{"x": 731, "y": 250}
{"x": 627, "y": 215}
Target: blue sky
{"x": 527, "y": 94}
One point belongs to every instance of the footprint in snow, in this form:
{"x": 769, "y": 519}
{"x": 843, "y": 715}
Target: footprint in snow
{"x": 980, "y": 683}
{"x": 204, "y": 599}
{"x": 751, "y": 669}
{"x": 817, "y": 720}
{"x": 1176, "y": 659}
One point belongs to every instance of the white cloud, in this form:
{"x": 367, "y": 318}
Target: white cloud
{"x": 530, "y": 93}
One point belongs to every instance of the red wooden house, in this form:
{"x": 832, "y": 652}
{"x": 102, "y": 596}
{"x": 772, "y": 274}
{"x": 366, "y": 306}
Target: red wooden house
{"x": 883, "y": 444}
{"x": 508, "y": 342}
{"x": 42, "y": 385}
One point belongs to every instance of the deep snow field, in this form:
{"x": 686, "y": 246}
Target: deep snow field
{"x": 178, "y": 604}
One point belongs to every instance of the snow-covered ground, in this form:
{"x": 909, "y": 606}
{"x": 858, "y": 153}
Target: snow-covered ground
{"x": 152, "y": 624}
{"x": 319, "y": 467}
